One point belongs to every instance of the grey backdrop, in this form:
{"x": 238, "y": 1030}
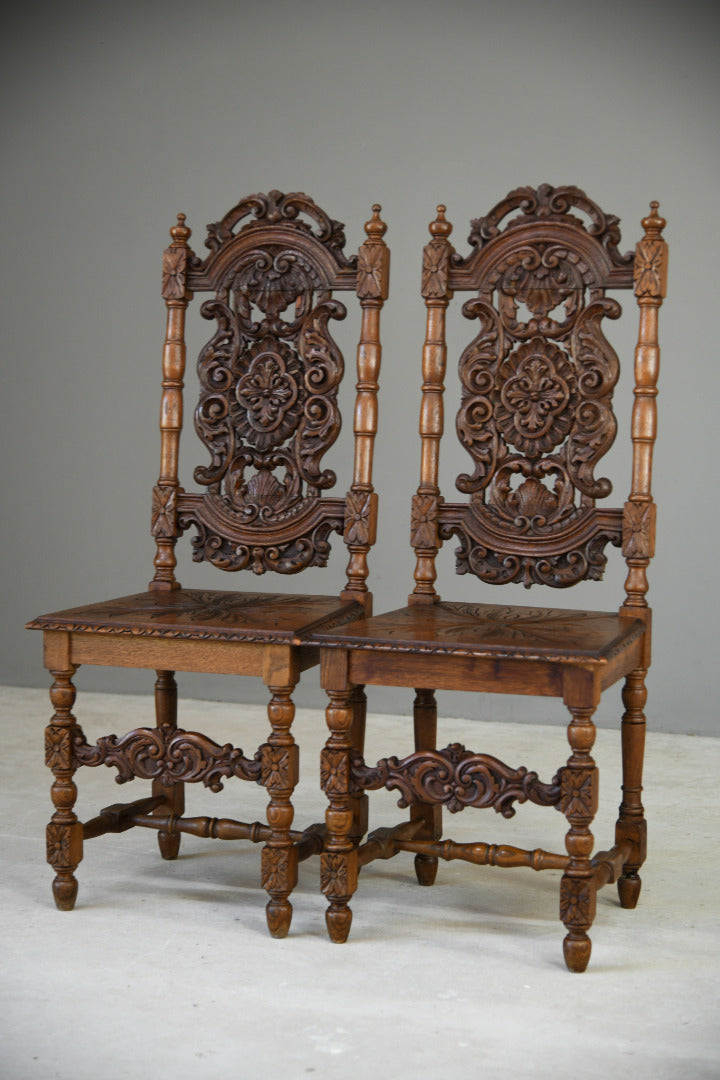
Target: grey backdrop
{"x": 116, "y": 116}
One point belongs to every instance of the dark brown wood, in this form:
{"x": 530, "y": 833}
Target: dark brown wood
{"x": 267, "y": 416}
{"x": 536, "y": 418}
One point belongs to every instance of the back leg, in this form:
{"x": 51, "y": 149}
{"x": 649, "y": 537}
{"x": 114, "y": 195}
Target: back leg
{"x": 425, "y": 730}
{"x": 174, "y": 794}
{"x": 631, "y": 825}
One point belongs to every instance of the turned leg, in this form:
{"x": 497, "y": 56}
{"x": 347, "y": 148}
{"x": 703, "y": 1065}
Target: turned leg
{"x": 173, "y": 795}
{"x": 425, "y": 729}
{"x": 338, "y": 865}
{"x": 631, "y": 825}
{"x": 65, "y": 832}
{"x": 359, "y": 799}
{"x": 579, "y": 799}
{"x": 279, "y": 777}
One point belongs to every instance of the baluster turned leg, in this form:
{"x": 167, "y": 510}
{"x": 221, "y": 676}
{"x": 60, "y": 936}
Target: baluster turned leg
{"x": 279, "y": 777}
{"x": 359, "y": 800}
{"x": 338, "y": 867}
{"x": 425, "y": 728}
{"x": 64, "y": 832}
{"x": 631, "y": 823}
{"x": 174, "y": 794}
{"x": 579, "y": 800}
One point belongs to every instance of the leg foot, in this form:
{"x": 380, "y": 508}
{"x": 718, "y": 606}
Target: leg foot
{"x": 65, "y": 890}
{"x": 279, "y": 916}
{"x": 426, "y": 867}
{"x": 576, "y": 949}
{"x": 338, "y": 918}
{"x": 629, "y": 886}
{"x": 169, "y": 844}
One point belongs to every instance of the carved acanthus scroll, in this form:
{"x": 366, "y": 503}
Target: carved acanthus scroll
{"x": 456, "y": 778}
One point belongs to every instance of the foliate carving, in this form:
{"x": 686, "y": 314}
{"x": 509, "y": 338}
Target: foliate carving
{"x": 277, "y": 208}
{"x": 279, "y": 767}
{"x": 168, "y": 755}
{"x": 372, "y": 271}
{"x": 577, "y": 902}
{"x": 423, "y": 521}
{"x": 578, "y": 793}
{"x": 336, "y": 877}
{"x": 174, "y": 273}
{"x": 270, "y": 395}
{"x": 335, "y": 772}
{"x": 537, "y": 382}
{"x": 650, "y": 268}
{"x": 58, "y": 748}
{"x": 435, "y": 267}
{"x": 275, "y": 869}
{"x": 58, "y": 841}
{"x": 548, "y": 203}
{"x": 639, "y": 530}
{"x": 359, "y": 524}
{"x": 164, "y": 512}
{"x": 534, "y": 397}
{"x": 456, "y": 778}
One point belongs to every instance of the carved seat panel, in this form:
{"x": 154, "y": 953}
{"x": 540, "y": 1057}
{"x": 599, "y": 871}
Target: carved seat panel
{"x": 535, "y": 418}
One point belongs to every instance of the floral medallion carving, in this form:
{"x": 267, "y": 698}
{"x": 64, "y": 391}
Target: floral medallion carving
{"x": 270, "y": 394}
{"x": 534, "y": 397}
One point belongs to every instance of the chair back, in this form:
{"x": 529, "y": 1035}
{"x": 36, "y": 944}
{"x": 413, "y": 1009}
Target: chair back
{"x": 269, "y": 379}
{"x": 536, "y": 412}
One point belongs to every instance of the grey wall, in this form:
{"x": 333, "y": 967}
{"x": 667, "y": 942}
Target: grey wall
{"x": 116, "y": 116}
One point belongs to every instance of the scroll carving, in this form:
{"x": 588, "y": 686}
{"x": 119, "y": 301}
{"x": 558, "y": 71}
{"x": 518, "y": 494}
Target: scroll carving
{"x": 456, "y": 778}
{"x": 168, "y": 755}
{"x": 537, "y": 381}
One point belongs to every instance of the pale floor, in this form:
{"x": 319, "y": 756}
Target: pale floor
{"x": 166, "y": 969}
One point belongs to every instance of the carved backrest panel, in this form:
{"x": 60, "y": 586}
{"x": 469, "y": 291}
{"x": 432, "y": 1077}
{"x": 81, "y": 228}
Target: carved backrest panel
{"x": 537, "y": 382}
{"x": 269, "y": 379}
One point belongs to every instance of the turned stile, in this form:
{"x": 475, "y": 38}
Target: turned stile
{"x": 424, "y": 512}
{"x": 362, "y": 502}
{"x": 650, "y": 281}
{"x": 164, "y": 506}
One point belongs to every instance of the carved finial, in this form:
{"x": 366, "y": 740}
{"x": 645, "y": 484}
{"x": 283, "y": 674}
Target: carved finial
{"x": 653, "y": 224}
{"x": 440, "y": 228}
{"x": 180, "y": 233}
{"x": 376, "y": 227}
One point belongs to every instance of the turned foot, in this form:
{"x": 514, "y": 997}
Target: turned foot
{"x": 426, "y": 867}
{"x": 629, "y": 889}
{"x": 65, "y": 890}
{"x": 338, "y": 918}
{"x": 169, "y": 844}
{"x": 576, "y": 949}
{"x": 279, "y": 916}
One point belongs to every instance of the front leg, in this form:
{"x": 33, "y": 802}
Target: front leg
{"x": 339, "y": 861}
{"x": 65, "y": 832}
{"x": 279, "y": 777}
{"x": 578, "y": 801}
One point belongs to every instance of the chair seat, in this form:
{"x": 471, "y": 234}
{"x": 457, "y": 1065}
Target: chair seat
{"x": 217, "y": 615}
{"x": 490, "y": 630}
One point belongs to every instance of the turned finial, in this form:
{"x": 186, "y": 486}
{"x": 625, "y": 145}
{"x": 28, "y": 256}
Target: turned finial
{"x": 180, "y": 233}
{"x": 375, "y": 227}
{"x": 653, "y": 224}
{"x": 440, "y": 228}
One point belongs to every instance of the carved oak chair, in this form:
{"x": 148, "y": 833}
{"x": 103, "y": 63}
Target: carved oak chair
{"x": 535, "y": 417}
{"x": 267, "y": 413}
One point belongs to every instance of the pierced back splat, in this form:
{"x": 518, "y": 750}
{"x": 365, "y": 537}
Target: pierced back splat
{"x": 537, "y": 382}
{"x": 269, "y": 379}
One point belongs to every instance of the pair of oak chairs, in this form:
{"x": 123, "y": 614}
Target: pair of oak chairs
{"x": 535, "y": 418}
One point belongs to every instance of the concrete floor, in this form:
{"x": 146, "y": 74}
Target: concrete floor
{"x": 167, "y": 969}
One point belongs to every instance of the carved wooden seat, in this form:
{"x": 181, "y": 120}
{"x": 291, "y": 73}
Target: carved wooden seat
{"x": 535, "y": 417}
{"x": 267, "y": 414}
